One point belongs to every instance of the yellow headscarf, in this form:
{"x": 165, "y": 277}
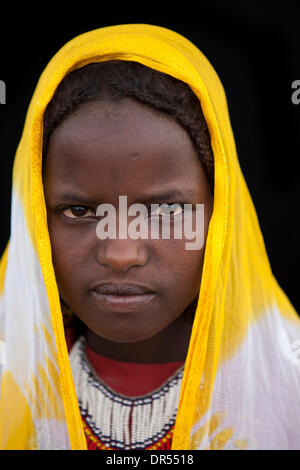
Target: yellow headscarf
{"x": 241, "y": 383}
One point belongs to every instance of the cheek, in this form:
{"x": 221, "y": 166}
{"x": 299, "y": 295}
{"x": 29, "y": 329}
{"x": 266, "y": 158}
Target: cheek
{"x": 69, "y": 253}
{"x": 180, "y": 270}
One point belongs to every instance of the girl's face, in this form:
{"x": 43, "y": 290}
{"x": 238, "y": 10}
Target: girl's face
{"x": 98, "y": 153}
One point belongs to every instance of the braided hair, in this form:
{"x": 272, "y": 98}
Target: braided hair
{"x": 113, "y": 80}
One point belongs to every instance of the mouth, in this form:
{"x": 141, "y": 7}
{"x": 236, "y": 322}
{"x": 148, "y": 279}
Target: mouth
{"x": 123, "y": 298}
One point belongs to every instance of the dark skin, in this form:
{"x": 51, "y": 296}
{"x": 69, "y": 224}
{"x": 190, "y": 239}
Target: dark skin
{"x": 101, "y": 151}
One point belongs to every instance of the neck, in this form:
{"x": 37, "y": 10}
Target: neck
{"x": 169, "y": 345}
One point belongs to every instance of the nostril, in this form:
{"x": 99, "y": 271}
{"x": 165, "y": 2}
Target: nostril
{"x": 121, "y": 255}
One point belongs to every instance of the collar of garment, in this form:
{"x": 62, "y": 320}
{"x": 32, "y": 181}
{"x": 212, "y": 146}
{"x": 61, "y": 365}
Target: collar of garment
{"x": 128, "y": 378}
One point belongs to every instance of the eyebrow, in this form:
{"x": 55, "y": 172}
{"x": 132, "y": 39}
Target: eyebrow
{"x": 167, "y": 195}
{"x": 72, "y": 197}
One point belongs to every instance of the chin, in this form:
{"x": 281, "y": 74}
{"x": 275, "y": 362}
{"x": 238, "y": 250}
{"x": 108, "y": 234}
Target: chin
{"x": 122, "y": 336}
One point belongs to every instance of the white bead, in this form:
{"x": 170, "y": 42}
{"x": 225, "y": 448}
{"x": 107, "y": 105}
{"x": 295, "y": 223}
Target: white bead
{"x": 110, "y": 412}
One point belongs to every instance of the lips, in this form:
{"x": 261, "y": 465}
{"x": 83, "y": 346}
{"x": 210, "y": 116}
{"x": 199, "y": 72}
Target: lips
{"x": 123, "y": 297}
{"x": 121, "y": 289}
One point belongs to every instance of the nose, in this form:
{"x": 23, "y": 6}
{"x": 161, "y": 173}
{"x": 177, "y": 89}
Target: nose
{"x": 121, "y": 254}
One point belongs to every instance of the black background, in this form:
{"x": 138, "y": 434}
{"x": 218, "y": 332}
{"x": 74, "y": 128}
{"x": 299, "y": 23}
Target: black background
{"x": 255, "y": 49}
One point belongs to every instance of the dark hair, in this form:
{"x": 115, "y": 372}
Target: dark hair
{"x": 113, "y": 80}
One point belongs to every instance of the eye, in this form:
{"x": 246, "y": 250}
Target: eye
{"x": 77, "y": 212}
{"x": 166, "y": 209}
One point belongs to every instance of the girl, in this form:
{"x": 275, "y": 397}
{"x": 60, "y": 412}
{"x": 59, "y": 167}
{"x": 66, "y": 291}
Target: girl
{"x": 125, "y": 343}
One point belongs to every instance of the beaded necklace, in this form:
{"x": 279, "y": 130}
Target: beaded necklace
{"x": 114, "y": 421}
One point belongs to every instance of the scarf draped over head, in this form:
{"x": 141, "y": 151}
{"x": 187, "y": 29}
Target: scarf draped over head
{"x": 241, "y": 383}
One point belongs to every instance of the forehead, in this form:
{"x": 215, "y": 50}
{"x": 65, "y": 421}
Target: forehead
{"x": 121, "y": 146}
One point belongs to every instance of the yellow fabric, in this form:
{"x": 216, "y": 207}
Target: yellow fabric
{"x": 241, "y": 388}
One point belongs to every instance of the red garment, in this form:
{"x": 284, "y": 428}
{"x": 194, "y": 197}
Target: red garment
{"x": 130, "y": 378}
{"x": 127, "y": 378}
